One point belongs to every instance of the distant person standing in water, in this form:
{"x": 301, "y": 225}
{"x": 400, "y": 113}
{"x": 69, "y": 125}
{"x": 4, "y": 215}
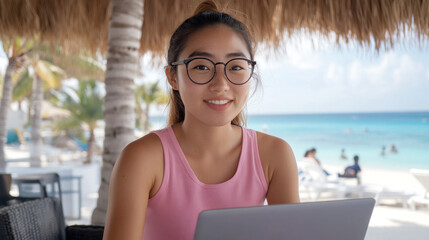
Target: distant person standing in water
{"x": 343, "y": 154}
{"x": 393, "y": 149}
{"x": 383, "y": 151}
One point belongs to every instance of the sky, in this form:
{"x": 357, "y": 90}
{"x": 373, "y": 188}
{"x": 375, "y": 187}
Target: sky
{"x": 320, "y": 77}
{"x": 312, "y": 76}
{"x": 309, "y": 80}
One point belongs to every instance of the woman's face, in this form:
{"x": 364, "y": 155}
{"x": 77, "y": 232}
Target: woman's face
{"x": 219, "y": 101}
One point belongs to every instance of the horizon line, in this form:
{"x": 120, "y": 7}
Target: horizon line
{"x": 345, "y": 112}
{"x": 323, "y": 113}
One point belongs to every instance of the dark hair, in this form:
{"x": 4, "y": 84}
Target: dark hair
{"x": 206, "y": 14}
{"x": 356, "y": 158}
{"x": 306, "y": 153}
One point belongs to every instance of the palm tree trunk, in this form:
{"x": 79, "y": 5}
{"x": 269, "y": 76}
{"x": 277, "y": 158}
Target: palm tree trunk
{"x": 91, "y": 142}
{"x": 4, "y": 107}
{"x": 122, "y": 65}
{"x": 36, "y": 120}
{"x": 29, "y": 107}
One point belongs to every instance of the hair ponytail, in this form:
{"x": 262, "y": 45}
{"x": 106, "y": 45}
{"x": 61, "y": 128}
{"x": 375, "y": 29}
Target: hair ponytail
{"x": 206, "y": 6}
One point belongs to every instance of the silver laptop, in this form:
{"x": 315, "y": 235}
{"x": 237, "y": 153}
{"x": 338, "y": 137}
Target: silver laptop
{"x": 339, "y": 219}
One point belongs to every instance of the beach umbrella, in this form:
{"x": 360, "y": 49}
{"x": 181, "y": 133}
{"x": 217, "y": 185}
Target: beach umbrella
{"x": 51, "y": 112}
{"x": 124, "y": 29}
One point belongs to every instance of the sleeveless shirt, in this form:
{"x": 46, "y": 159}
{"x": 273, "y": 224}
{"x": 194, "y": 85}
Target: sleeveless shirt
{"x": 173, "y": 212}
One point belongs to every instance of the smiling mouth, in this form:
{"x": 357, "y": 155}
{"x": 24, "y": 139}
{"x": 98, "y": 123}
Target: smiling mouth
{"x": 218, "y": 102}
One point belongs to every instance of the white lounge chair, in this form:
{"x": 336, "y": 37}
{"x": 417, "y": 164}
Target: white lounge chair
{"x": 423, "y": 177}
{"x": 312, "y": 179}
{"x": 380, "y": 193}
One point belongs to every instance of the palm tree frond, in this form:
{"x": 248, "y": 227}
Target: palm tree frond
{"x": 5, "y": 46}
{"x": 49, "y": 73}
{"x": 85, "y": 102}
{"x": 23, "y": 86}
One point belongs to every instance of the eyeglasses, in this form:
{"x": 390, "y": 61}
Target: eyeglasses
{"x": 202, "y": 70}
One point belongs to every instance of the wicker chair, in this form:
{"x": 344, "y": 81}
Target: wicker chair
{"x": 5, "y": 198}
{"x": 33, "y": 220}
{"x": 37, "y": 218}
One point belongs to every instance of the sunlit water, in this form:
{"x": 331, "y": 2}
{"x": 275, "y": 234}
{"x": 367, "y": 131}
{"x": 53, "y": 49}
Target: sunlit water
{"x": 363, "y": 134}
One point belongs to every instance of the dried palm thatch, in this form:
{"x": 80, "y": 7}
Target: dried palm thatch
{"x": 70, "y": 23}
{"x": 83, "y": 23}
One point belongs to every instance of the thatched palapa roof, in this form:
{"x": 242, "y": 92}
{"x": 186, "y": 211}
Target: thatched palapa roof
{"x": 84, "y": 23}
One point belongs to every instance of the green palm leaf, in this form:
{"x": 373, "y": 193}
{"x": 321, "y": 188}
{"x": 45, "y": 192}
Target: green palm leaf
{"x": 23, "y": 86}
{"x": 84, "y": 102}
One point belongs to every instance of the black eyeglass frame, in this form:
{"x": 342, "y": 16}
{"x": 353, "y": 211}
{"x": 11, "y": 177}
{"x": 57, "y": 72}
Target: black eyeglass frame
{"x": 188, "y": 60}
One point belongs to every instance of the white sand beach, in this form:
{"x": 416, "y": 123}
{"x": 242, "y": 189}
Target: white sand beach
{"x": 390, "y": 220}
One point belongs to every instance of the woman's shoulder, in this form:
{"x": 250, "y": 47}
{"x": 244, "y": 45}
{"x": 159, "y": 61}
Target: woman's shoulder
{"x": 274, "y": 151}
{"x": 145, "y": 146}
{"x": 276, "y": 156}
{"x": 269, "y": 143}
{"x": 143, "y": 153}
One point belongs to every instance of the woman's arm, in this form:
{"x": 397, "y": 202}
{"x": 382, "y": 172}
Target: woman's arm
{"x": 131, "y": 185}
{"x": 282, "y": 173}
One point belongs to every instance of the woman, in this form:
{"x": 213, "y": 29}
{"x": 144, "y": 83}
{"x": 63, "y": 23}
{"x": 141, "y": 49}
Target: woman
{"x": 204, "y": 159}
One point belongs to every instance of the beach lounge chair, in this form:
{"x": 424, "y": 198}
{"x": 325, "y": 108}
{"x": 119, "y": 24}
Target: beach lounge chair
{"x": 422, "y": 199}
{"x": 381, "y": 194}
{"x": 312, "y": 179}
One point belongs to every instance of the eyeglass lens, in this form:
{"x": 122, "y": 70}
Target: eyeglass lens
{"x": 202, "y": 71}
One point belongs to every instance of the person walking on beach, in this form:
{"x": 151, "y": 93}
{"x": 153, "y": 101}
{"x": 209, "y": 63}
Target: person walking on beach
{"x": 205, "y": 158}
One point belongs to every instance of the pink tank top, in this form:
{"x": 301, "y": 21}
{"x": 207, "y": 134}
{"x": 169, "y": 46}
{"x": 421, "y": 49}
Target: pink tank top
{"x": 172, "y": 213}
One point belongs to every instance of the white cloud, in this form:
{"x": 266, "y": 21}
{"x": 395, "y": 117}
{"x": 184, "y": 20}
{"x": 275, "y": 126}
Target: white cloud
{"x": 356, "y": 74}
{"x": 391, "y": 72}
{"x": 344, "y": 81}
{"x": 335, "y": 74}
{"x": 376, "y": 75}
{"x": 300, "y": 52}
{"x": 407, "y": 72}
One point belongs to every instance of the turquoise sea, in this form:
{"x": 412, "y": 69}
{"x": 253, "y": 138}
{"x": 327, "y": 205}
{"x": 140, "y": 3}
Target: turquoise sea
{"x": 363, "y": 134}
